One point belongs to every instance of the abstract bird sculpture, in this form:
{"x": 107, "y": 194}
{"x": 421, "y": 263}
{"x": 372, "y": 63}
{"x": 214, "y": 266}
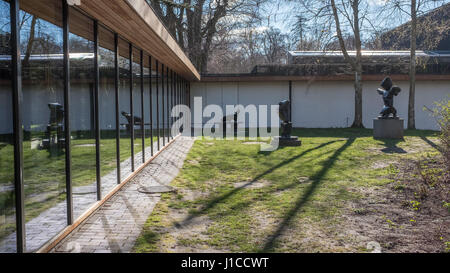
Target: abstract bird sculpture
{"x": 388, "y": 91}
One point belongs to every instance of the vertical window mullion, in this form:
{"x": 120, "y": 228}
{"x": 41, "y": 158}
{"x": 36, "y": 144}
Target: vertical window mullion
{"x": 157, "y": 103}
{"x": 67, "y": 112}
{"x": 151, "y": 104}
{"x": 130, "y": 55}
{"x": 163, "y": 107}
{"x": 142, "y": 106}
{"x": 97, "y": 112}
{"x": 116, "y": 94}
{"x": 167, "y": 103}
{"x": 17, "y": 102}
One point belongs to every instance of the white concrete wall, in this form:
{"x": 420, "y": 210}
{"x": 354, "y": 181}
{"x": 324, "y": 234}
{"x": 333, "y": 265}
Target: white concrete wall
{"x": 36, "y": 112}
{"x": 245, "y": 94}
{"x": 325, "y": 104}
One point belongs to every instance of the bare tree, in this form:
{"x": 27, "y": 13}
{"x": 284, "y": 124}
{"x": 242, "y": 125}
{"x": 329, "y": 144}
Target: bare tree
{"x": 274, "y": 45}
{"x": 195, "y": 23}
{"x": 355, "y": 20}
{"x": 412, "y": 9}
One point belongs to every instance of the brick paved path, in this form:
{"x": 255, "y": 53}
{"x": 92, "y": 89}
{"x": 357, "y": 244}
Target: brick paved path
{"x": 115, "y": 226}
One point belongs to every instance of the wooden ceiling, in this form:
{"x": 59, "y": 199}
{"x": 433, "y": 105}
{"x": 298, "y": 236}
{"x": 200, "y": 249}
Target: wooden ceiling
{"x": 133, "y": 20}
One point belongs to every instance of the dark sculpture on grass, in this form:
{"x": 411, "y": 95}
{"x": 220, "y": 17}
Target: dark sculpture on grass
{"x": 388, "y": 91}
{"x": 285, "y": 116}
{"x": 286, "y": 125}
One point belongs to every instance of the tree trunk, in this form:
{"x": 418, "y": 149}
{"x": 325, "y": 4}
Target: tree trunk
{"x": 357, "y": 122}
{"x": 412, "y": 68}
{"x": 26, "y": 59}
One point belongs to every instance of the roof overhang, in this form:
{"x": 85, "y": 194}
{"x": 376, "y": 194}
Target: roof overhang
{"x": 134, "y": 20}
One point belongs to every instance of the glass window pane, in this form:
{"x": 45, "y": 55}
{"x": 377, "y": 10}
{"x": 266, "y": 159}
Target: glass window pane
{"x": 124, "y": 106}
{"x": 7, "y": 206}
{"x": 82, "y": 108}
{"x": 43, "y": 121}
{"x": 107, "y": 111}
{"x": 137, "y": 108}
{"x": 147, "y": 117}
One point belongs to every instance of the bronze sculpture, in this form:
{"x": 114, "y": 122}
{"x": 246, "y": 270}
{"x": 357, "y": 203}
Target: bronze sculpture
{"x": 286, "y": 125}
{"x": 285, "y": 116}
{"x": 388, "y": 91}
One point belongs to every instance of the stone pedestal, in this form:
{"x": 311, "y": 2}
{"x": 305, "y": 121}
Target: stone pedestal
{"x": 388, "y": 128}
{"x": 288, "y": 141}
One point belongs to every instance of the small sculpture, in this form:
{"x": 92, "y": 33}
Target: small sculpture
{"x": 285, "y": 116}
{"x": 388, "y": 91}
{"x": 137, "y": 120}
{"x": 54, "y": 136}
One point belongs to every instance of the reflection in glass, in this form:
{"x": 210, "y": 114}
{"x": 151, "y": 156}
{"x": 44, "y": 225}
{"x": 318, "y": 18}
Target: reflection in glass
{"x": 107, "y": 111}
{"x": 43, "y": 123}
{"x": 82, "y": 117}
{"x": 7, "y": 206}
{"x": 137, "y": 108}
{"x": 124, "y": 106}
{"x": 147, "y": 117}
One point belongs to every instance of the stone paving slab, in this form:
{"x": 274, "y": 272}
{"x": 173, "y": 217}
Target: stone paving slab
{"x": 116, "y": 225}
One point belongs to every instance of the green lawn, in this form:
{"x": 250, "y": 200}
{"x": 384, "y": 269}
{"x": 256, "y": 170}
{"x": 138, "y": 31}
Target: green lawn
{"x": 231, "y": 197}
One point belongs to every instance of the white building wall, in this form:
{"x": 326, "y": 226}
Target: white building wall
{"x": 325, "y": 104}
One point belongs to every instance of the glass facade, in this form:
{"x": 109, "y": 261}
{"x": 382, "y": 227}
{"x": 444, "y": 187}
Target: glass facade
{"x": 7, "y": 209}
{"x": 118, "y": 103}
{"x": 41, "y": 44}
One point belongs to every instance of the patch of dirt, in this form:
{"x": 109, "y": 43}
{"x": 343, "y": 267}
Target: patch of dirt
{"x": 193, "y": 162}
{"x": 381, "y": 164}
{"x": 190, "y": 195}
{"x": 186, "y": 234}
{"x": 387, "y": 217}
{"x": 252, "y": 184}
{"x": 413, "y": 145}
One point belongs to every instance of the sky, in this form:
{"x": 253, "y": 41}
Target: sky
{"x": 281, "y": 13}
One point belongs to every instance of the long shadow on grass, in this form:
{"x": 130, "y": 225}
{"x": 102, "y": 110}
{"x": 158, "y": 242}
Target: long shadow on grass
{"x": 223, "y": 197}
{"x": 431, "y": 143}
{"x": 301, "y": 201}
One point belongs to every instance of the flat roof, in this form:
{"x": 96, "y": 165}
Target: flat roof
{"x": 370, "y": 53}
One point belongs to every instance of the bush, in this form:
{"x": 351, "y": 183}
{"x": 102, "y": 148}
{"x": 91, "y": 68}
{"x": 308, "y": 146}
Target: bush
{"x": 442, "y": 115}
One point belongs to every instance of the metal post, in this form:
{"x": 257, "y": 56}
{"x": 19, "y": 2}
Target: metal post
{"x": 67, "y": 112}
{"x": 168, "y": 105}
{"x": 157, "y": 103}
{"x": 162, "y": 103}
{"x": 142, "y": 106}
{"x": 130, "y": 47}
{"x": 172, "y": 102}
{"x": 17, "y": 101}
{"x": 151, "y": 104}
{"x": 116, "y": 93}
{"x": 96, "y": 112}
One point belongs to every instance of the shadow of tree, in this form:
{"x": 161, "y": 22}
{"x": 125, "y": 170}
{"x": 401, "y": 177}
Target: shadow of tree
{"x": 227, "y": 195}
{"x": 301, "y": 201}
{"x": 431, "y": 143}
